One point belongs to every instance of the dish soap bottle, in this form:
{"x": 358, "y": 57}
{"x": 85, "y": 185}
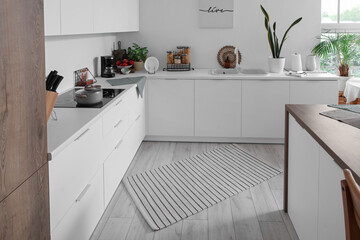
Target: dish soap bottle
{"x": 227, "y": 62}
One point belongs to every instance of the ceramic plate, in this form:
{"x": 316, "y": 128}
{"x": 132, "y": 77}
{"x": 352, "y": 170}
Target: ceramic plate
{"x": 151, "y": 64}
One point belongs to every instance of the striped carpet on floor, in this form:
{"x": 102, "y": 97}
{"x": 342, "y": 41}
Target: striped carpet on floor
{"x": 178, "y": 190}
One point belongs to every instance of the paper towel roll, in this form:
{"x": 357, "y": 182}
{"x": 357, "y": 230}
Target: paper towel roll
{"x": 296, "y": 64}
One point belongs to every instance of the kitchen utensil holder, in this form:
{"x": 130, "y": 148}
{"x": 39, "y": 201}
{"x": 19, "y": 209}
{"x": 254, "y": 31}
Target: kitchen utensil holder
{"x": 50, "y": 102}
{"x": 178, "y": 67}
{"x": 80, "y": 74}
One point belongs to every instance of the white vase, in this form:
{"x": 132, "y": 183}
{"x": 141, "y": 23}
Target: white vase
{"x": 296, "y": 64}
{"x": 311, "y": 63}
{"x": 276, "y": 65}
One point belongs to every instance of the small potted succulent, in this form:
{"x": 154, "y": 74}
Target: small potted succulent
{"x": 276, "y": 62}
{"x": 138, "y": 55}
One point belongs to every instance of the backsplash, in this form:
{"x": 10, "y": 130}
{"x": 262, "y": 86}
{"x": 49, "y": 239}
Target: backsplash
{"x": 69, "y": 53}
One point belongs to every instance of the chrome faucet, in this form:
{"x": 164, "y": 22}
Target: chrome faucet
{"x": 237, "y": 65}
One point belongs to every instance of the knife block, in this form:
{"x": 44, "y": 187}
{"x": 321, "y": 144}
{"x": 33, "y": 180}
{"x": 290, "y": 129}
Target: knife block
{"x": 50, "y": 102}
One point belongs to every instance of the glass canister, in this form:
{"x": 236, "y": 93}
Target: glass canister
{"x": 177, "y": 60}
{"x": 187, "y": 51}
{"x": 170, "y": 57}
{"x": 184, "y": 59}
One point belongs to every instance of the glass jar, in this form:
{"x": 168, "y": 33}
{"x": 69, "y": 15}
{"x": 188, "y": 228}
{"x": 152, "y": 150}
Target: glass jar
{"x": 177, "y": 60}
{"x": 170, "y": 57}
{"x": 184, "y": 59}
{"x": 187, "y": 51}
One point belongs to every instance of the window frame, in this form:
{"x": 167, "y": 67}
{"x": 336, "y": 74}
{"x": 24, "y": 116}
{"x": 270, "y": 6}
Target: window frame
{"x": 339, "y": 27}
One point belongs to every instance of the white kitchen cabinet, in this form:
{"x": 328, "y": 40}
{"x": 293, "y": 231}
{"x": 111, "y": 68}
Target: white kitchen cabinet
{"x": 313, "y": 92}
{"x": 331, "y": 213}
{"x": 218, "y": 108}
{"x": 171, "y": 107}
{"x": 77, "y": 17}
{"x": 71, "y": 170}
{"x": 116, "y": 16}
{"x": 263, "y": 108}
{"x": 303, "y": 181}
{"x": 82, "y": 218}
{"x": 52, "y": 17}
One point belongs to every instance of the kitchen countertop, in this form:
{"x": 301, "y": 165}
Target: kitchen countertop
{"x": 71, "y": 122}
{"x": 339, "y": 140}
{"x": 204, "y": 74}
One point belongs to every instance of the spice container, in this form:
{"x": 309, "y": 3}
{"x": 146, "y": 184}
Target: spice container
{"x": 177, "y": 60}
{"x": 170, "y": 57}
{"x": 187, "y": 51}
{"x": 184, "y": 59}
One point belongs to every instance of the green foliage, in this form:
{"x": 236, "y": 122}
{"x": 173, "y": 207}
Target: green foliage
{"x": 272, "y": 37}
{"x": 137, "y": 53}
{"x": 343, "y": 46}
{"x": 352, "y": 15}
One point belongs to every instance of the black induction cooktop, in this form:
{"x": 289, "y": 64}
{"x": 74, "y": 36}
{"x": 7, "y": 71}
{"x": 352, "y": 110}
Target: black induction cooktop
{"x": 66, "y": 100}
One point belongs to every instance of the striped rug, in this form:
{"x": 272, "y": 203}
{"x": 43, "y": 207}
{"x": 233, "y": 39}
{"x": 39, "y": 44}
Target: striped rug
{"x": 178, "y": 190}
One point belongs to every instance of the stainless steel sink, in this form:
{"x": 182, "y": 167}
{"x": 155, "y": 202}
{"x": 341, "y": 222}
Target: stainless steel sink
{"x": 233, "y": 71}
{"x": 224, "y": 71}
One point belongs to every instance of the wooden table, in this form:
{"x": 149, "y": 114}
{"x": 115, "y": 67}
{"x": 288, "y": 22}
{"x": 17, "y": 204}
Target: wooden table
{"x": 339, "y": 140}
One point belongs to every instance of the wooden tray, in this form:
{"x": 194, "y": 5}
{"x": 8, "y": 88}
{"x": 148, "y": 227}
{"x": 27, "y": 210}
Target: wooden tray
{"x": 228, "y": 51}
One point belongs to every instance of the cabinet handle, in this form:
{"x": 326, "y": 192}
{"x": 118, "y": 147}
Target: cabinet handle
{"x": 118, "y": 102}
{"x": 138, "y": 117}
{"x": 118, "y": 145}
{"x": 81, "y": 135}
{"x": 116, "y": 125}
{"x": 78, "y": 199}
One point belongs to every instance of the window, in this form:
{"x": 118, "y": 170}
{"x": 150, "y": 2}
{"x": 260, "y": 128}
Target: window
{"x": 340, "y": 15}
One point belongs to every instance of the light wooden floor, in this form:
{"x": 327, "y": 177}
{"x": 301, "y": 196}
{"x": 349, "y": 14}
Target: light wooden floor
{"x": 254, "y": 214}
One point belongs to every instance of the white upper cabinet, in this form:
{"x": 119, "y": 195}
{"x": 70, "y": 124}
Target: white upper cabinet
{"x": 52, "y": 17}
{"x": 77, "y": 17}
{"x": 313, "y": 92}
{"x": 70, "y": 17}
{"x": 121, "y": 16}
{"x": 263, "y": 108}
{"x": 218, "y": 108}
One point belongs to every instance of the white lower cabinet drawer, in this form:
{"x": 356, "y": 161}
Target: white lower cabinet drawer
{"x": 72, "y": 169}
{"x": 83, "y": 216}
{"x": 120, "y": 159}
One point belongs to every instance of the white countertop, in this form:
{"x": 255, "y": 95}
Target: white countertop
{"x": 204, "y": 74}
{"x": 73, "y": 121}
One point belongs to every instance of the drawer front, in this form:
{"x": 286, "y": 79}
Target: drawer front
{"x": 72, "y": 169}
{"x": 85, "y": 213}
{"x": 114, "y": 115}
{"x": 115, "y": 135}
{"x": 120, "y": 159}
{"x": 136, "y": 104}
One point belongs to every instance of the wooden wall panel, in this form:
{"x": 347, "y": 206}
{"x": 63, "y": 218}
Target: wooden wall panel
{"x": 24, "y": 214}
{"x": 23, "y": 146}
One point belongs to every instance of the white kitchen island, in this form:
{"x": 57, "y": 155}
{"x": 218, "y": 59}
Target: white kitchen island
{"x": 317, "y": 149}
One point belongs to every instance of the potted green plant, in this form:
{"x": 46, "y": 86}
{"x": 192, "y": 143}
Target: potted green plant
{"x": 342, "y": 45}
{"x": 276, "y": 62}
{"x": 138, "y": 55}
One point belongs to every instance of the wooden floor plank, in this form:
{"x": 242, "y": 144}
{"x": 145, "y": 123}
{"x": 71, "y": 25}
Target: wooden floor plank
{"x": 116, "y": 229}
{"x": 220, "y": 221}
{"x": 274, "y": 231}
{"x": 172, "y": 232}
{"x": 245, "y": 221}
{"x": 195, "y": 230}
{"x": 264, "y": 202}
{"x": 124, "y": 207}
{"x": 139, "y": 229}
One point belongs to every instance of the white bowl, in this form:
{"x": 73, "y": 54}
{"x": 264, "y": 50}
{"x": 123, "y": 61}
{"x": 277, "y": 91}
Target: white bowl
{"x": 129, "y": 66}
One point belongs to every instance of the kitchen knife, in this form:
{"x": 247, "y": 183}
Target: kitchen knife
{"x": 48, "y": 80}
{"x": 52, "y": 79}
{"x": 57, "y": 83}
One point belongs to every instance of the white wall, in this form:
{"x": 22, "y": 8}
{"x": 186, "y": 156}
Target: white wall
{"x": 69, "y": 53}
{"x": 165, "y": 24}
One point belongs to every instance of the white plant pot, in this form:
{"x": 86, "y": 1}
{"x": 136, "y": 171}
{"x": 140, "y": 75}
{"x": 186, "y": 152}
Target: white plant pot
{"x": 276, "y": 65}
{"x": 342, "y": 83}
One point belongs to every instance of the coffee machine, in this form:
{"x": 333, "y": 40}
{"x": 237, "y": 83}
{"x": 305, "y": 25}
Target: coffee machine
{"x": 107, "y": 70}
